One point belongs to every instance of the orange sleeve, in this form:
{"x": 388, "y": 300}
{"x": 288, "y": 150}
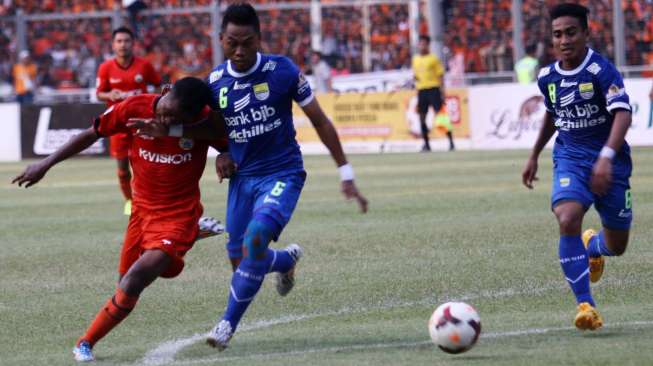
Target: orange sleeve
{"x": 102, "y": 81}
{"x": 113, "y": 120}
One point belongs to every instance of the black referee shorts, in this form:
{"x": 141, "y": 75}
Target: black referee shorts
{"x": 427, "y": 98}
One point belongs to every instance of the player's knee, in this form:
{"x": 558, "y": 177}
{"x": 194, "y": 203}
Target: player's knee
{"x": 258, "y": 235}
{"x": 619, "y": 248}
{"x": 569, "y": 222}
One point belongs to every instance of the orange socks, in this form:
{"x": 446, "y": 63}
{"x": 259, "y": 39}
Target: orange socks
{"x": 111, "y": 314}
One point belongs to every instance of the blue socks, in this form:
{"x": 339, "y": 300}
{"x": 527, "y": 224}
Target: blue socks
{"x": 597, "y": 246}
{"x": 575, "y": 265}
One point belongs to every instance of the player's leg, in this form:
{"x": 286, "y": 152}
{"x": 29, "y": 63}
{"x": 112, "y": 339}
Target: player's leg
{"x": 276, "y": 198}
{"x": 615, "y": 209}
{"x": 422, "y": 109}
{"x": 438, "y": 102}
{"x": 570, "y": 199}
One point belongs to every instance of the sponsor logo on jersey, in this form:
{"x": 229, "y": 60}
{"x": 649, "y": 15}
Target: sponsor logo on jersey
{"x": 166, "y": 242}
{"x": 567, "y": 99}
{"x": 261, "y": 114}
{"x": 245, "y": 134}
{"x": 594, "y": 68}
{"x": 586, "y": 90}
{"x": 114, "y": 81}
{"x": 302, "y": 85}
{"x": 261, "y": 91}
{"x": 241, "y": 103}
{"x": 174, "y": 159}
{"x": 564, "y": 182}
{"x": 269, "y": 66}
{"x": 186, "y": 143}
{"x": 565, "y": 84}
{"x": 138, "y": 78}
{"x": 241, "y": 86}
{"x": 215, "y": 76}
{"x": 614, "y": 91}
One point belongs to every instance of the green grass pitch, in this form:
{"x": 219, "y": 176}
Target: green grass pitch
{"x": 441, "y": 227}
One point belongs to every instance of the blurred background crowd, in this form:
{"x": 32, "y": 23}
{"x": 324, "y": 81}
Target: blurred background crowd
{"x": 66, "y": 53}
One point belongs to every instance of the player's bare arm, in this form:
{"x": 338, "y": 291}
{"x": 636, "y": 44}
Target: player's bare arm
{"x": 329, "y": 138}
{"x": 211, "y": 128}
{"x": 529, "y": 174}
{"x": 35, "y": 172}
{"x": 602, "y": 171}
{"x": 111, "y": 96}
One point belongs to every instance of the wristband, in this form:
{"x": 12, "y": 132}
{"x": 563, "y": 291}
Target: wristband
{"x": 176, "y": 130}
{"x": 346, "y": 172}
{"x": 607, "y": 152}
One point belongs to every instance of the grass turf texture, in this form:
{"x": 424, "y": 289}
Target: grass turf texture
{"x": 441, "y": 226}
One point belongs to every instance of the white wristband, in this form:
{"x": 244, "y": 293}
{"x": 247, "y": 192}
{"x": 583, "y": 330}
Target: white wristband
{"x": 346, "y": 172}
{"x": 176, "y": 130}
{"x": 607, "y": 152}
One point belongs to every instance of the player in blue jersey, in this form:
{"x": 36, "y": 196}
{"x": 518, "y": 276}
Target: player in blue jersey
{"x": 254, "y": 92}
{"x": 587, "y": 104}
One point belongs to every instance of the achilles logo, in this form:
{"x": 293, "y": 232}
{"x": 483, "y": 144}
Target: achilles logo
{"x": 245, "y": 134}
{"x": 48, "y": 141}
{"x": 174, "y": 159}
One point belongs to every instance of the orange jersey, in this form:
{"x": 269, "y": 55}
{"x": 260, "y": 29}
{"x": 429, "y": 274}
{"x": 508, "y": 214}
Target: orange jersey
{"x": 132, "y": 80}
{"x": 166, "y": 170}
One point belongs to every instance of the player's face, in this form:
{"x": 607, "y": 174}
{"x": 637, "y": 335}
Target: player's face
{"x": 423, "y": 47}
{"x": 122, "y": 45}
{"x": 168, "y": 113}
{"x": 240, "y": 44}
{"x": 569, "y": 39}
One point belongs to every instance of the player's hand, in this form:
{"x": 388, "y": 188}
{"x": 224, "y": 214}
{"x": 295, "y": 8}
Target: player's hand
{"x": 116, "y": 95}
{"x": 224, "y": 166}
{"x": 348, "y": 188}
{"x": 31, "y": 175}
{"x": 529, "y": 174}
{"x": 148, "y": 127}
{"x": 601, "y": 176}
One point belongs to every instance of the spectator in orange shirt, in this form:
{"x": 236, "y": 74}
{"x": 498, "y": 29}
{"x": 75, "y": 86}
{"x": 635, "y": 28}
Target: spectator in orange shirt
{"x": 24, "y": 74}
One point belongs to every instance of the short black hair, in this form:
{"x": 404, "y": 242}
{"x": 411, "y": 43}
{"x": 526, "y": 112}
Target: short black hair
{"x": 122, "y": 30}
{"x": 571, "y": 10}
{"x": 241, "y": 14}
{"x": 424, "y": 37}
{"x": 192, "y": 94}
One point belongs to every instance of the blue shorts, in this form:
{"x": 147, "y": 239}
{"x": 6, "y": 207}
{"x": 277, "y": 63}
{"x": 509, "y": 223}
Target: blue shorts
{"x": 270, "y": 199}
{"x": 572, "y": 183}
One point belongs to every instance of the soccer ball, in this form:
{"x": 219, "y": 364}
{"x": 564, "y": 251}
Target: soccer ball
{"x": 455, "y": 327}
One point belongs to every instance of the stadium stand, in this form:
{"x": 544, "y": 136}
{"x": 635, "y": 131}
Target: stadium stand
{"x": 68, "y": 52}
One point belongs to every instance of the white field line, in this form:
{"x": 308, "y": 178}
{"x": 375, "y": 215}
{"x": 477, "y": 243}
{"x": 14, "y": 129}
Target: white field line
{"x": 165, "y": 352}
{"x": 364, "y": 347}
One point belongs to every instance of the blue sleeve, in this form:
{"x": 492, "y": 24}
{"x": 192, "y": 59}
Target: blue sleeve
{"x": 549, "y": 95}
{"x": 300, "y": 89}
{"x": 612, "y": 87}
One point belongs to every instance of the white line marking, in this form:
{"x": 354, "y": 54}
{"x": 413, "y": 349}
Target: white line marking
{"x": 363, "y": 347}
{"x": 165, "y": 353}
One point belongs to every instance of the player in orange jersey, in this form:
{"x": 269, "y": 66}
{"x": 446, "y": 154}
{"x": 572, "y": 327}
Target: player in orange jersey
{"x": 117, "y": 79}
{"x": 166, "y": 196}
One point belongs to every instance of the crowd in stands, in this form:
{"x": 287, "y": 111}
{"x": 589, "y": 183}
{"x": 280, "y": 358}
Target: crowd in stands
{"x": 68, "y": 52}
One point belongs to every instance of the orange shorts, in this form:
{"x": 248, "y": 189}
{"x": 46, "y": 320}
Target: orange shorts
{"x": 119, "y": 145}
{"x": 173, "y": 234}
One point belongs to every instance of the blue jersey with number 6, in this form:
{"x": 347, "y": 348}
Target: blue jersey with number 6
{"x": 257, "y": 108}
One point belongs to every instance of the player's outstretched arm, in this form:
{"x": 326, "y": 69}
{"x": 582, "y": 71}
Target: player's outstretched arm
{"x": 529, "y": 174}
{"x": 602, "y": 171}
{"x": 34, "y": 172}
{"x": 211, "y": 128}
{"x": 330, "y": 139}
